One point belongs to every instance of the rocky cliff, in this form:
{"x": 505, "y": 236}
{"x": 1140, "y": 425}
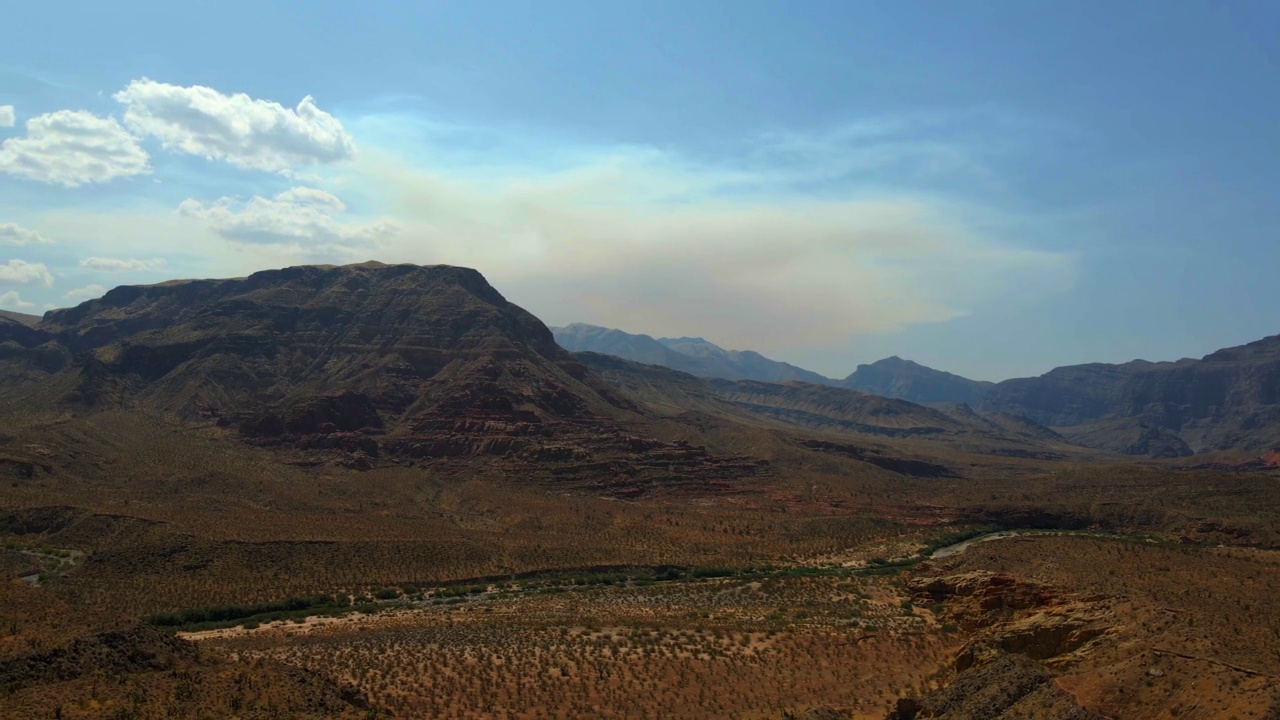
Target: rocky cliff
{"x": 1228, "y": 399}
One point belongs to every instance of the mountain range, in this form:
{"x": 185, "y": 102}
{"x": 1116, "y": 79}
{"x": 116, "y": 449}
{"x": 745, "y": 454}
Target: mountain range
{"x": 891, "y": 377}
{"x": 434, "y": 361}
{"x": 360, "y": 364}
{"x": 695, "y": 356}
{"x": 372, "y": 365}
{"x": 1229, "y": 399}
{"x": 229, "y": 457}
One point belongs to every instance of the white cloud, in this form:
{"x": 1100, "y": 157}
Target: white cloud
{"x": 14, "y": 301}
{"x": 73, "y": 148}
{"x": 88, "y": 292}
{"x": 313, "y": 197}
{"x": 6, "y": 116}
{"x": 22, "y": 272}
{"x": 120, "y": 265}
{"x": 11, "y": 234}
{"x": 747, "y": 254}
{"x": 246, "y": 132}
{"x": 302, "y": 218}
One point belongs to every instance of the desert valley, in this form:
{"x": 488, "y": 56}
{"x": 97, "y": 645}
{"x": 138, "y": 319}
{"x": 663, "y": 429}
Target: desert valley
{"x": 385, "y": 491}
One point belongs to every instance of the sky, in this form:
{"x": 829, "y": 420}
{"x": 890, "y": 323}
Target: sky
{"x": 993, "y": 189}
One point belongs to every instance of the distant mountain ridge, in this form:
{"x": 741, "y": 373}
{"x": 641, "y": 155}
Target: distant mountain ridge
{"x": 695, "y": 356}
{"x": 891, "y": 377}
{"x": 897, "y": 378}
{"x": 1229, "y": 399}
{"x": 824, "y": 409}
{"x": 23, "y": 318}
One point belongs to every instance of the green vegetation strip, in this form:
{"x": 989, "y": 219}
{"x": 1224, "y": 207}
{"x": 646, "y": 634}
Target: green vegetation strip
{"x": 222, "y": 616}
{"x": 459, "y": 591}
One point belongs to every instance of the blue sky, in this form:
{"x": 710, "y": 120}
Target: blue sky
{"x": 992, "y": 188}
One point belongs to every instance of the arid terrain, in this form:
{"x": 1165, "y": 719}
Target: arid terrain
{"x": 384, "y": 491}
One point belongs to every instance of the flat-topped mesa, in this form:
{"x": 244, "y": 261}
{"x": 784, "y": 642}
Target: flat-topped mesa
{"x": 423, "y": 363}
{"x": 282, "y": 335}
{"x": 440, "y": 308}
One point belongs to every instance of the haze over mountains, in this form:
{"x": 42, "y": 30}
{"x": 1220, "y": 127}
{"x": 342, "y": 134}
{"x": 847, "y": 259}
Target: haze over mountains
{"x": 1230, "y": 399}
{"x": 695, "y": 356}
{"x": 891, "y": 377}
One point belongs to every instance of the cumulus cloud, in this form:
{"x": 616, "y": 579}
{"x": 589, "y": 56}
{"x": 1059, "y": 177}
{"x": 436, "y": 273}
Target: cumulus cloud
{"x": 301, "y": 218}
{"x": 88, "y": 292}
{"x": 6, "y": 116}
{"x": 11, "y": 234}
{"x": 122, "y": 265}
{"x": 22, "y": 272}
{"x": 13, "y": 300}
{"x": 73, "y": 148}
{"x": 244, "y": 131}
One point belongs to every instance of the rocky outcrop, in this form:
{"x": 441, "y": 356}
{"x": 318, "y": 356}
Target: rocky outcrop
{"x": 1012, "y": 616}
{"x": 135, "y": 649}
{"x": 1019, "y": 631}
{"x": 980, "y": 599}
{"x": 102, "y": 673}
{"x": 1006, "y": 423}
{"x": 1008, "y": 686}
